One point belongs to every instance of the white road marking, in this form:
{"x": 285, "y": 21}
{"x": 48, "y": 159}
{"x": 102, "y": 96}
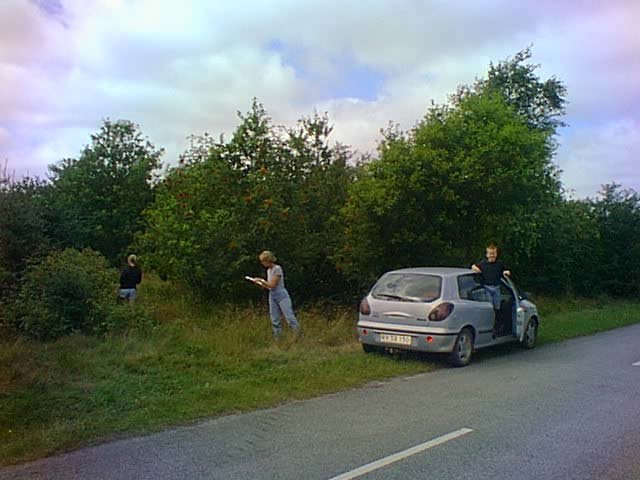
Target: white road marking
{"x": 383, "y": 462}
{"x": 637, "y": 364}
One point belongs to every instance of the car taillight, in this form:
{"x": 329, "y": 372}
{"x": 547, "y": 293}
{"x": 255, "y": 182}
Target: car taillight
{"x": 441, "y": 312}
{"x": 365, "y": 309}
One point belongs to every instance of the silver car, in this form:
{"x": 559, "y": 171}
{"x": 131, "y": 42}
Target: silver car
{"x": 443, "y": 310}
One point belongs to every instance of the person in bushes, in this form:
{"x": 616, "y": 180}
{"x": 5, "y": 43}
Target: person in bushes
{"x": 279, "y": 299}
{"x": 130, "y": 278}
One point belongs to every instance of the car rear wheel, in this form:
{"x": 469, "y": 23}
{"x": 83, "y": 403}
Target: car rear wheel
{"x": 530, "y": 334}
{"x": 463, "y": 348}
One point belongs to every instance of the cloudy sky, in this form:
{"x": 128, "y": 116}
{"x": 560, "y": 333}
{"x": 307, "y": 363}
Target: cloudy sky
{"x": 178, "y": 68}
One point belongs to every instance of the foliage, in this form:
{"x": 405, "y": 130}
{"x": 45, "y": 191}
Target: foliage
{"x": 97, "y": 199}
{"x": 67, "y": 291}
{"x": 267, "y": 188}
{"x": 464, "y": 175}
{"x": 540, "y": 103}
{"x": 126, "y": 318}
{"x": 476, "y": 169}
{"x": 617, "y": 213}
{"x": 22, "y": 232}
{"x": 568, "y": 242}
{"x": 202, "y": 362}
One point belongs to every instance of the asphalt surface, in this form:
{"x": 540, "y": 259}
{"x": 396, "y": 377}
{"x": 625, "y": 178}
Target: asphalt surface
{"x": 566, "y": 411}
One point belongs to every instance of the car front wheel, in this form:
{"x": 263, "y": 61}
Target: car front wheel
{"x": 530, "y": 334}
{"x": 463, "y": 348}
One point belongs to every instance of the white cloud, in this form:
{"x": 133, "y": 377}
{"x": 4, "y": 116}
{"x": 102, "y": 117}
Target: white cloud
{"x": 595, "y": 156}
{"x": 181, "y": 68}
{"x": 27, "y": 37}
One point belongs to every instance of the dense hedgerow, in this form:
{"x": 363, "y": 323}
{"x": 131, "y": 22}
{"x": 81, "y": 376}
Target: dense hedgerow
{"x": 68, "y": 291}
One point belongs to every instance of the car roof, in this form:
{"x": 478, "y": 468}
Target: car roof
{"x": 440, "y": 271}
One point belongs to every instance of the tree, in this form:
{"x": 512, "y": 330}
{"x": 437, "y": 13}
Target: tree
{"x": 267, "y": 188}
{"x": 540, "y": 103}
{"x": 462, "y": 176}
{"x": 65, "y": 292}
{"x": 567, "y": 253}
{"x": 98, "y": 198}
{"x": 22, "y": 229}
{"x": 617, "y": 213}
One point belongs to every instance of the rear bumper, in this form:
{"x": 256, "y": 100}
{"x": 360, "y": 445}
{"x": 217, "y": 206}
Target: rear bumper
{"x": 422, "y": 339}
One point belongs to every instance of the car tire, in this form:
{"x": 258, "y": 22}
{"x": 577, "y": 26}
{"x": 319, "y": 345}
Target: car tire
{"x": 462, "y": 349}
{"x": 530, "y": 334}
{"x": 371, "y": 348}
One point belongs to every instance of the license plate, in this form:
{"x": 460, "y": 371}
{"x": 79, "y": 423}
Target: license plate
{"x": 397, "y": 339}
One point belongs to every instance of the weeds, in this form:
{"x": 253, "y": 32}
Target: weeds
{"x": 197, "y": 360}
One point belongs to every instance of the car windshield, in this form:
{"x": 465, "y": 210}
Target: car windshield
{"x": 408, "y": 287}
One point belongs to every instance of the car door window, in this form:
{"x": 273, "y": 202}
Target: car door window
{"x": 470, "y": 288}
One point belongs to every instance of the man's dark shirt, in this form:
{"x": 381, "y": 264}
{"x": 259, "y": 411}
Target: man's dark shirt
{"x": 491, "y": 272}
{"x": 130, "y": 277}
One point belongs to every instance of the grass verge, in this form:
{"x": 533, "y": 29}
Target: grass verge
{"x": 202, "y": 361}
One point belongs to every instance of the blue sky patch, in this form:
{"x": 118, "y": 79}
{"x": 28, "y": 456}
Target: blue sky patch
{"x": 356, "y": 81}
{"x": 50, "y": 7}
{"x": 351, "y": 79}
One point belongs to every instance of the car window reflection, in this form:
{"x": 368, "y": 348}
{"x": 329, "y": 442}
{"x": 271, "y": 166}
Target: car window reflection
{"x": 408, "y": 287}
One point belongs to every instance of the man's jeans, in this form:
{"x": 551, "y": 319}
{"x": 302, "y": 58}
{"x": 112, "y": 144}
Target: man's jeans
{"x": 494, "y": 293}
{"x": 280, "y": 305}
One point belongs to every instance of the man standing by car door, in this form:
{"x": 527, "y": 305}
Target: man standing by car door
{"x": 491, "y": 270}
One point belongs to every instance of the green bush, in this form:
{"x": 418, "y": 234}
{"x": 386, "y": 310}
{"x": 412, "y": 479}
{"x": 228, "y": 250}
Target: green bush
{"x": 68, "y": 291}
{"x": 267, "y": 188}
{"x": 98, "y": 198}
{"x": 22, "y": 230}
{"x": 124, "y": 317}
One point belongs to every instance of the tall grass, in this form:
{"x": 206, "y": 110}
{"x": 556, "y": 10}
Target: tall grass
{"x": 202, "y": 360}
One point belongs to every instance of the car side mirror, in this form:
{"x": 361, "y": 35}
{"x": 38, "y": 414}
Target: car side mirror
{"x": 525, "y": 295}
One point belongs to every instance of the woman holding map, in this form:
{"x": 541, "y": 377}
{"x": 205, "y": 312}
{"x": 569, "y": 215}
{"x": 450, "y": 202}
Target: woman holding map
{"x": 279, "y": 300}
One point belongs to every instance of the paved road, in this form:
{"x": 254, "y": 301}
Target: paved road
{"x": 563, "y": 411}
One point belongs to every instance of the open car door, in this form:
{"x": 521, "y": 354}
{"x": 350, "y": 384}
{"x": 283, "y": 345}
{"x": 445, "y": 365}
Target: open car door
{"x": 520, "y": 313}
